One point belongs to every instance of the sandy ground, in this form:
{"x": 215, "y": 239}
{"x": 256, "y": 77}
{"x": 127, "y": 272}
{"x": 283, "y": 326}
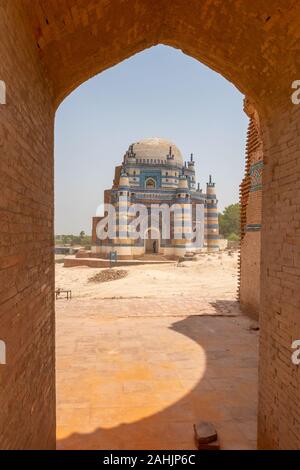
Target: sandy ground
{"x": 140, "y": 360}
{"x": 212, "y": 275}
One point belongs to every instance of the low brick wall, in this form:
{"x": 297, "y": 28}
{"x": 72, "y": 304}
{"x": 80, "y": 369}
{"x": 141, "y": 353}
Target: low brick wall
{"x": 71, "y": 262}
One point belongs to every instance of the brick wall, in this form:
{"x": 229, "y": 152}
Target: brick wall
{"x": 279, "y": 379}
{"x": 27, "y": 382}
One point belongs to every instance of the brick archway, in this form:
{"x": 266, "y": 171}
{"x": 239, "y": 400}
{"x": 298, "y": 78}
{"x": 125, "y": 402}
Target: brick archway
{"x": 47, "y": 49}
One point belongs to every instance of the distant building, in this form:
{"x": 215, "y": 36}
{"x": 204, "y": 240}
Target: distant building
{"x": 153, "y": 173}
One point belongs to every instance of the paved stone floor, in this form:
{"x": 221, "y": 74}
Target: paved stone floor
{"x": 138, "y": 373}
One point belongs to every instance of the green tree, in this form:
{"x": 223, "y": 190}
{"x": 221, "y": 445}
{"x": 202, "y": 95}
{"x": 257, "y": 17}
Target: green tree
{"x": 64, "y": 239}
{"x": 233, "y": 237}
{"x": 229, "y": 222}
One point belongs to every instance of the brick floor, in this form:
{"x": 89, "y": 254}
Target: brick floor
{"x": 138, "y": 373}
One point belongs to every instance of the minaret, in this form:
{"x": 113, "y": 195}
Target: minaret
{"x": 192, "y": 161}
{"x": 124, "y": 181}
{"x": 170, "y": 155}
{"x": 183, "y": 186}
{"x": 130, "y": 155}
{"x": 182, "y": 218}
{"x": 122, "y": 207}
{"x": 191, "y": 167}
{"x": 211, "y": 215}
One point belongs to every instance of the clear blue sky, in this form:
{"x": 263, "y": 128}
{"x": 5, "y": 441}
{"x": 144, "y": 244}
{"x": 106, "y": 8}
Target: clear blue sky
{"x": 159, "y": 92}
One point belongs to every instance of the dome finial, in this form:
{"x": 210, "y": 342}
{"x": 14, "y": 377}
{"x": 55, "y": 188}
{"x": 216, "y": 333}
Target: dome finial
{"x": 210, "y": 183}
{"x": 169, "y": 156}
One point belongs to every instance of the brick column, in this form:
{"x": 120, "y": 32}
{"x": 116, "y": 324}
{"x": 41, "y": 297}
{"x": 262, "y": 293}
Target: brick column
{"x": 27, "y": 381}
{"x": 279, "y": 379}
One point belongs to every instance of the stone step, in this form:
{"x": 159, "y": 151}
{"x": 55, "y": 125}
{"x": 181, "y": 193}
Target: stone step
{"x": 154, "y": 257}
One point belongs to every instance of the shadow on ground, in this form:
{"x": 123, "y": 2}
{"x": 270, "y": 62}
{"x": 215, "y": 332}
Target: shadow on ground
{"x": 226, "y": 394}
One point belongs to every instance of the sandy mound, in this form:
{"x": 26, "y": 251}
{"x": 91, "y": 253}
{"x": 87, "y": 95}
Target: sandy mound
{"x": 108, "y": 275}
